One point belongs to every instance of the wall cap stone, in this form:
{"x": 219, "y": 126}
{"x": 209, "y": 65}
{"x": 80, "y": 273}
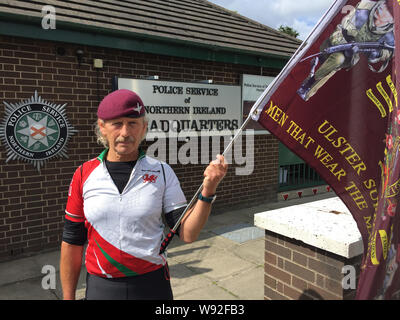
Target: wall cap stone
{"x": 325, "y": 224}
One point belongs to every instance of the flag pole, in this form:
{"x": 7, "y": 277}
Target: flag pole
{"x": 172, "y": 232}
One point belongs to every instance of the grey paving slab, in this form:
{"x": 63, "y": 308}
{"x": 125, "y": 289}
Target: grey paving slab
{"x": 29, "y": 289}
{"x": 240, "y": 233}
{"x": 185, "y": 280}
{"x": 209, "y": 292}
{"x": 239, "y": 284}
{"x": 220, "y": 265}
{"x": 24, "y": 269}
{"x": 252, "y": 251}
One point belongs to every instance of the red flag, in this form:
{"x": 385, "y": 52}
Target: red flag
{"x": 335, "y": 105}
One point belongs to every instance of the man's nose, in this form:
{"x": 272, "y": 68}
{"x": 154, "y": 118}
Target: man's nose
{"x": 124, "y": 131}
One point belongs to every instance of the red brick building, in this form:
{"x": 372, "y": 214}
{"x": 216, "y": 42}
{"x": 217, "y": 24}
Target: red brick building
{"x": 178, "y": 40}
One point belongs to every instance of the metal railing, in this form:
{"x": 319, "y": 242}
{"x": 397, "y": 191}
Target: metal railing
{"x": 300, "y": 175}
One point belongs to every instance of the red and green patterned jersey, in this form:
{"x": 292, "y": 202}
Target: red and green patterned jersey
{"x": 125, "y": 230}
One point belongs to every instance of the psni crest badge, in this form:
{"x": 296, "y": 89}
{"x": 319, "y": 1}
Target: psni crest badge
{"x": 35, "y": 131}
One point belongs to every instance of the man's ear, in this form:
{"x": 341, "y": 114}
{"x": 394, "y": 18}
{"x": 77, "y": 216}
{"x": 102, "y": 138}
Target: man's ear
{"x": 101, "y": 124}
{"x": 145, "y": 130}
{"x": 147, "y": 126}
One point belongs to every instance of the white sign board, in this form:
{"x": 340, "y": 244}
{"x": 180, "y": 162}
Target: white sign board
{"x": 252, "y": 88}
{"x": 173, "y": 107}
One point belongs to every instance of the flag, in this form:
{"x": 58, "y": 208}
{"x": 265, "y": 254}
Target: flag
{"x": 335, "y": 105}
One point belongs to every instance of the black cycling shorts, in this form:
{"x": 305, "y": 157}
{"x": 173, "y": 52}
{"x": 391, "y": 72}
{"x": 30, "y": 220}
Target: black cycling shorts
{"x": 154, "y": 285}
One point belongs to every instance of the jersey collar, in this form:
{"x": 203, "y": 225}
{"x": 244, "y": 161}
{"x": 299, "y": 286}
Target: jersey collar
{"x": 102, "y": 155}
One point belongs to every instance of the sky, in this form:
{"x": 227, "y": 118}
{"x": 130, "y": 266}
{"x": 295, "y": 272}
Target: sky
{"x": 301, "y": 15}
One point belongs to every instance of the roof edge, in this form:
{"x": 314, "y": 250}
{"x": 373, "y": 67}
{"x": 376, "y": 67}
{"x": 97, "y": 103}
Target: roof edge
{"x": 24, "y": 26}
{"x": 234, "y": 13}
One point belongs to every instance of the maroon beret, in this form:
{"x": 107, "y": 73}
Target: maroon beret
{"x": 121, "y": 103}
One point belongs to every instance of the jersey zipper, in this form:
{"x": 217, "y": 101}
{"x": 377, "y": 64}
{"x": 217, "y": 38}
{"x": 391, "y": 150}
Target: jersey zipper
{"x": 133, "y": 174}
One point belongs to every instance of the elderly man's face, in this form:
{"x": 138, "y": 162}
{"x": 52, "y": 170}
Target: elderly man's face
{"x": 382, "y": 16}
{"x": 124, "y": 136}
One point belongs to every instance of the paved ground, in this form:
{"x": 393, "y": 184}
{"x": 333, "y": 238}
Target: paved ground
{"x": 226, "y": 263}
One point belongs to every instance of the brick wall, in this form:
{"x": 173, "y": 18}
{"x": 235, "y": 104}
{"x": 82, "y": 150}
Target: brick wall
{"x": 297, "y": 271}
{"x": 32, "y": 204}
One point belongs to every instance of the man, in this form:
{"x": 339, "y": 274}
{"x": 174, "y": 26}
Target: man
{"x": 116, "y": 202}
{"x": 369, "y": 22}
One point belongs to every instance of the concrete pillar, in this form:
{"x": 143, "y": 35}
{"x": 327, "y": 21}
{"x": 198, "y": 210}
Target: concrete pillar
{"x": 310, "y": 249}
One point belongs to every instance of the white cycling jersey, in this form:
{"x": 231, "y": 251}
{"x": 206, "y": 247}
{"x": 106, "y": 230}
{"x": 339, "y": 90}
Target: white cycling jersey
{"x": 125, "y": 230}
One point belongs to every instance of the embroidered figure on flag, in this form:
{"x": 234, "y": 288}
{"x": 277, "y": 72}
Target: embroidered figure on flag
{"x": 367, "y": 29}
